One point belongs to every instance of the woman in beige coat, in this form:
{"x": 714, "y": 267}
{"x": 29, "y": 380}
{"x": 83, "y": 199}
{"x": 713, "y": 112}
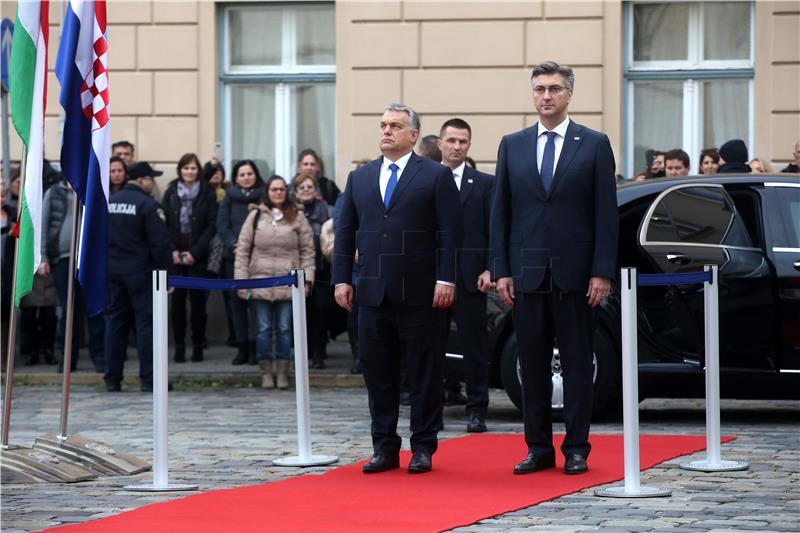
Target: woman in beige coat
{"x": 274, "y": 239}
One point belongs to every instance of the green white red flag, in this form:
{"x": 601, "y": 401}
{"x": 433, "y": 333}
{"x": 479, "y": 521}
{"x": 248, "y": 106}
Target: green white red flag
{"x": 28, "y": 91}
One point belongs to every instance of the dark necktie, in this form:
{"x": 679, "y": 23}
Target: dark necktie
{"x": 387, "y": 196}
{"x": 548, "y": 161}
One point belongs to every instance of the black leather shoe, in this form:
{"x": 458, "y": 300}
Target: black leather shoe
{"x": 113, "y": 387}
{"x": 381, "y": 463}
{"x": 575, "y": 464}
{"x": 180, "y": 353}
{"x": 476, "y": 424}
{"x": 535, "y": 462}
{"x": 197, "y": 354}
{"x": 420, "y": 463}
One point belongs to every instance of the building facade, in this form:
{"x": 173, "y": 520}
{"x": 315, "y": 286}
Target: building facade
{"x": 264, "y": 79}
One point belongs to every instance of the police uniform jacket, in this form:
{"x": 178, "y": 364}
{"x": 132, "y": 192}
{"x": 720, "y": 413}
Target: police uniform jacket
{"x": 138, "y": 241}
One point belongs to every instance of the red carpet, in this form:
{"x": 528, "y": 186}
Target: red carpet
{"x": 471, "y": 480}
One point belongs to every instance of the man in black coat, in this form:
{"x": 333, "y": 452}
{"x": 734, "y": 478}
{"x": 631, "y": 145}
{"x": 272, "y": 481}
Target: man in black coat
{"x": 473, "y": 279}
{"x": 138, "y": 243}
{"x": 554, "y": 241}
{"x": 401, "y": 213}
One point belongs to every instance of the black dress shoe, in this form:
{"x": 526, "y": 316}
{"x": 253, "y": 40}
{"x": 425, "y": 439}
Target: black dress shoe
{"x": 197, "y": 354}
{"x": 535, "y": 462}
{"x": 476, "y": 424}
{"x": 420, "y": 463}
{"x": 575, "y": 464}
{"x": 381, "y": 463}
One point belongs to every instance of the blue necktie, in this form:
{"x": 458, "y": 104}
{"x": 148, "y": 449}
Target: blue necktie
{"x": 387, "y": 197}
{"x": 548, "y": 161}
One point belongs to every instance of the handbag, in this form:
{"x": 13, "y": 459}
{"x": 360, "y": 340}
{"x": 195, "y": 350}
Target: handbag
{"x": 215, "y": 249}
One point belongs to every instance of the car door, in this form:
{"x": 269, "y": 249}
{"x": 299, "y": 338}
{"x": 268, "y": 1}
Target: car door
{"x": 782, "y": 222}
{"x": 686, "y": 227}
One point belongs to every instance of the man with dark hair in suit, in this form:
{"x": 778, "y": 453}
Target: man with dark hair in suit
{"x": 554, "y": 242}
{"x": 429, "y": 147}
{"x": 473, "y": 280}
{"x": 401, "y": 213}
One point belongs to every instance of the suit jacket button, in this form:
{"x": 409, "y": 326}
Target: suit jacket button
{"x": 385, "y": 235}
{"x": 385, "y": 216}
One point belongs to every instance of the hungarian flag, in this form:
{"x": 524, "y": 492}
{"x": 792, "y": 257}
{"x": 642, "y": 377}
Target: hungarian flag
{"x": 28, "y": 88}
{"x": 82, "y": 69}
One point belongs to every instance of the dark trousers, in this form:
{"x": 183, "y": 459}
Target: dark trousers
{"x": 469, "y": 311}
{"x": 387, "y": 335}
{"x": 37, "y": 330}
{"x": 352, "y": 330}
{"x": 97, "y": 324}
{"x": 240, "y": 315}
{"x": 130, "y": 300}
{"x": 197, "y": 302}
{"x": 538, "y": 317}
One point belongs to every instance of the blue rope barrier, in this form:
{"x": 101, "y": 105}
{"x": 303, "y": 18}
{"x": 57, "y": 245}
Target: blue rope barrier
{"x": 651, "y": 280}
{"x": 180, "y": 282}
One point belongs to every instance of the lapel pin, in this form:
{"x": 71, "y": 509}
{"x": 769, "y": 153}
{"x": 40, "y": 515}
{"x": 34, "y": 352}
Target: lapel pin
{"x": 469, "y": 180}
{"x": 576, "y": 138}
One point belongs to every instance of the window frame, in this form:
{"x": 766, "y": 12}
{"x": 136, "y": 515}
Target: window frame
{"x": 693, "y": 72}
{"x": 282, "y": 77}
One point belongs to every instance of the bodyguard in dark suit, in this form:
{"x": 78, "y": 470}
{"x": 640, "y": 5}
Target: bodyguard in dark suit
{"x": 554, "y": 241}
{"x": 401, "y": 213}
{"x": 473, "y": 280}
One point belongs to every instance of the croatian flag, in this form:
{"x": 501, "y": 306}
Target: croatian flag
{"x": 82, "y": 69}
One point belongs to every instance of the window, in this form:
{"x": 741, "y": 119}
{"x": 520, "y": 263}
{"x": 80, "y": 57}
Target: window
{"x": 689, "y": 73}
{"x": 278, "y": 84}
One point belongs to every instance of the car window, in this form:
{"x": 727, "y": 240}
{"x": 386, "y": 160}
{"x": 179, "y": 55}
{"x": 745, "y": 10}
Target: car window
{"x": 786, "y": 214}
{"x": 697, "y": 215}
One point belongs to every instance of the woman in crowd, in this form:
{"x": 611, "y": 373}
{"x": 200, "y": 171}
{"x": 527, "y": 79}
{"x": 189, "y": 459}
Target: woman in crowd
{"x": 214, "y": 175}
{"x": 759, "y": 165}
{"x": 116, "y": 174}
{"x": 308, "y": 162}
{"x": 247, "y": 190}
{"x": 190, "y": 207}
{"x": 709, "y": 161}
{"x": 275, "y": 238}
{"x": 320, "y": 300}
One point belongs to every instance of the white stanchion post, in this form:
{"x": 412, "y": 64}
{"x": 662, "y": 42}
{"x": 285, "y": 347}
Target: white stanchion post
{"x": 713, "y": 461}
{"x": 160, "y": 393}
{"x": 630, "y": 398}
{"x": 304, "y": 456}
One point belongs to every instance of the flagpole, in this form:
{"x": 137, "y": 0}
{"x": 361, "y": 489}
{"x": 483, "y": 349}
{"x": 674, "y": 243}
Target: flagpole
{"x": 12, "y": 320}
{"x": 77, "y": 213}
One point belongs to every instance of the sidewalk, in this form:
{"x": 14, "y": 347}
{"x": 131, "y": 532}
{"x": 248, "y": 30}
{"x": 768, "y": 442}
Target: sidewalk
{"x": 215, "y": 370}
{"x": 227, "y": 438}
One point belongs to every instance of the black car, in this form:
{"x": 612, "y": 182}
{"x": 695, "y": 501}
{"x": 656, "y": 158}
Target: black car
{"x": 749, "y": 225}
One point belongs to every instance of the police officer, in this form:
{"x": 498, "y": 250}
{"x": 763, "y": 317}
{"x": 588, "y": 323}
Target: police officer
{"x": 138, "y": 243}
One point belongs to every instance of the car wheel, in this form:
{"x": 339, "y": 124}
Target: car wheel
{"x": 606, "y": 374}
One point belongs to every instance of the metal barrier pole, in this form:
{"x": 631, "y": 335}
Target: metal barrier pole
{"x": 160, "y": 392}
{"x": 630, "y": 398}
{"x": 713, "y": 461}
{"x": 304, "y": 457}
{"x": 77, "y": 213}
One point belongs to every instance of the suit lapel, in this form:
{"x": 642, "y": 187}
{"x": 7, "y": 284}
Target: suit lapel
{"x": 375, "y": 180}
{"x": 413, "y": 166}
{"x": 572, "y": 140}
{"x": 467, "y": 184}
{"x": 530, "y": 162}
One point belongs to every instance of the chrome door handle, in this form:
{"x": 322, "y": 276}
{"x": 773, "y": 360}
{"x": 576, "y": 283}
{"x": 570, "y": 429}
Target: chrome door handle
{"x": 678, "y": 259}
{"x": 796, "y": 265}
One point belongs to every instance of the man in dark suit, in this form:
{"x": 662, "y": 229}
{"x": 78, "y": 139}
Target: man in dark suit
{"x": 401, "y": 213}
{"x": 473, "y": 280}
{"x": 554, "y": 242}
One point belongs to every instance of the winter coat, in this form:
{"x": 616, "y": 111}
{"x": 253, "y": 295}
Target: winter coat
{"x": 317, "y": 214}
{"x": 204, "y": 222}
{"x": 57, "y": 220}
{"x": 279, "y": 248}
{"x": 233, "y": 211}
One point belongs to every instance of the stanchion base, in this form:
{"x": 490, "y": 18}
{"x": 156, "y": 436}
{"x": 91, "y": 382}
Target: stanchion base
{"x": 313, "y": 460}
{"x": 722, "y": 466}
{"x": 169, "y": 487}
{"x": 643, "y": 492}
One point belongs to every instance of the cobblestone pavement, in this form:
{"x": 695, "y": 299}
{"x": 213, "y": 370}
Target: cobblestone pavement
{"x": 227, "y": 438}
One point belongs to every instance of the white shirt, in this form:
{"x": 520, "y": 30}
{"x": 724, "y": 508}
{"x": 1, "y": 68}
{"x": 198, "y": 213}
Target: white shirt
{"x": 541, "y": 140}
{"x": 386, "y": 172}
{"x": 458, "y": 173}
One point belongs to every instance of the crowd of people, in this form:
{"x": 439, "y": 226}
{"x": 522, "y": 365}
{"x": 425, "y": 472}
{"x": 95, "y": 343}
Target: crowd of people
{"x": 730, "y": 158}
